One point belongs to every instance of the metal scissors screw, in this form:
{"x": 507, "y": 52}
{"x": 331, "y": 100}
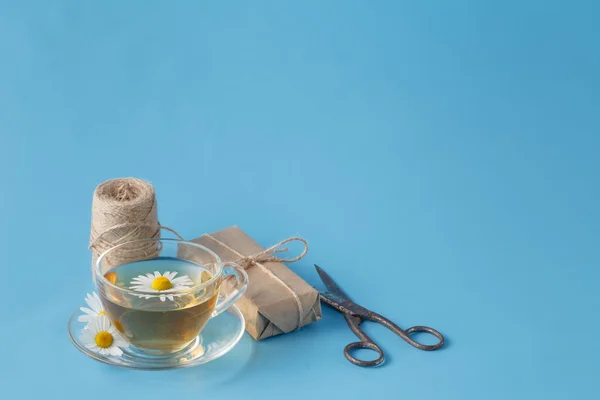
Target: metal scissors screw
{"x": 355, "y": 315}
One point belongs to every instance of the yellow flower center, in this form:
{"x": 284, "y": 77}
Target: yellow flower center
{"x": 111, "y": 277}
{"x": 119, "y": 326}
{"x": 104, "y": 339}
{"x": 161, "y": 283}
{"x": 102, "y": 312}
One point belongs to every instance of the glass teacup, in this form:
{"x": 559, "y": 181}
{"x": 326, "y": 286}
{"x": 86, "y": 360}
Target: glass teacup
{"x": 160, "y": 293}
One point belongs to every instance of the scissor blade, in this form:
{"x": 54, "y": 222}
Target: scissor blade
{"x": 331, "y": 286}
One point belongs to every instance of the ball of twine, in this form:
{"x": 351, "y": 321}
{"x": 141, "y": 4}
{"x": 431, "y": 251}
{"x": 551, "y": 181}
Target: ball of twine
{"x": 124, "y": 210}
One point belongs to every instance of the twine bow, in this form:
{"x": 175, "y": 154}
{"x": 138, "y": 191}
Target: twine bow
{"x": 267, "y": 255}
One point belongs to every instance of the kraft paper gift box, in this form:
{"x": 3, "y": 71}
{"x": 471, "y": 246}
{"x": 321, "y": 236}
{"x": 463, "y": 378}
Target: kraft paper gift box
{"x": 277, "y": 300}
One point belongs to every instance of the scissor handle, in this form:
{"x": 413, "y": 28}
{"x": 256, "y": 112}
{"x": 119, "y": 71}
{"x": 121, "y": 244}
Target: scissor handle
{"x": 405, "y": 334}
{"x": 365, "y": 342}
{"x": 425, "y": 329}
{"x": 363, "y": 345}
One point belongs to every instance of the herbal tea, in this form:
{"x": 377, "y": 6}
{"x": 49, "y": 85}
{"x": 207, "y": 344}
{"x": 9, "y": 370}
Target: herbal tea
{"x": 156, "y": 319}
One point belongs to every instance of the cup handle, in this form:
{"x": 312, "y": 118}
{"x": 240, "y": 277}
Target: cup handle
{"x": 235, "y": 291}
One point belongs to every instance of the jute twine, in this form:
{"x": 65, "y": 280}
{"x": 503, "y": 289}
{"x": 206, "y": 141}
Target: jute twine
{"x": 124, "y": 210}
{"x": 267, "y": 255}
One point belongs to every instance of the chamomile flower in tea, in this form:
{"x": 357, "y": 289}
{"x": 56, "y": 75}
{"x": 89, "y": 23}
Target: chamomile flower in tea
{"x": 161, "y": 311}
{"x": 96, "y": 309}
{"x": 101, "y": 337}
{"x": 160, "y": 284}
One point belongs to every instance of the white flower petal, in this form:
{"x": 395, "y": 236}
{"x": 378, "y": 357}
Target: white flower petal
{"x": 87, "y": 333}
{"x": 94, "y": 302}
{"x": 98, "y": 327}
{"x": 147, "y": 290}
{"x": 91, "y": 305}
{"x": 180, "y": 287}
{"x": 156, "y": 274}
{"x": 88, "y": 311}
{"x": 117, "y": 352}
{"x": 180, "y": 279}
{"x": 173, "y": 274}
{"x": 85, "y": 318}
{"x": 97, "y": 299}
{"x": 93, "y": 325}
{"x": 104, "y": 323}
{"x": 162, "y": 298}
{"x": 86, "y": 340}
{"x": 170, "y": 297}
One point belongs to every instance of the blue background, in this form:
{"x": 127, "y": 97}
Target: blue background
{"x": 440, "y": 157}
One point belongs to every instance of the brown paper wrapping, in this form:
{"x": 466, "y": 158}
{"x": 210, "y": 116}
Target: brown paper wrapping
{"x": 268, "y": 306}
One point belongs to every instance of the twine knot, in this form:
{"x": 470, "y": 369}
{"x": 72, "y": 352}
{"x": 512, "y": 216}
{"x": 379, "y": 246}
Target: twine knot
{"x": 267, "y": 255}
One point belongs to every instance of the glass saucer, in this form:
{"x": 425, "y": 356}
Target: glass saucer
{"x": 218, "y": 337}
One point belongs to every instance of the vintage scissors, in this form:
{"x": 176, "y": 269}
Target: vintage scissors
{"x": 355, "y": 315}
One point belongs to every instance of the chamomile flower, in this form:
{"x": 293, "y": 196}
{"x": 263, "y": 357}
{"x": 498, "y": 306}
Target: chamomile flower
{"x": 101, "y": 337}
{"x": 93, "y": 301}
{"x": 160, "y": 284}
